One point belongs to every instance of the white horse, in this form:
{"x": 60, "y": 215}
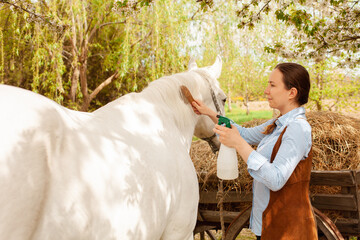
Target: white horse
{"x": 120, "y": 172}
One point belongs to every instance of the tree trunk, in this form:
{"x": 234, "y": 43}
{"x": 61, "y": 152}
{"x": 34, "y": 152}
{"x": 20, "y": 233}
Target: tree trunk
{"x": 319, "y": 83}
{"x": 74, "y": 83}
{"x": 229, "y": 98}
{"x": 85, "y": 104}
{"x": 74, "y": 64}
{"x": 83, "y": 84}
{"x": 318, "y": 105}
{"x": 246, "y": 100}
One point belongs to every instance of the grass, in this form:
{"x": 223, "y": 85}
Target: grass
{"x": 239, "y": 116}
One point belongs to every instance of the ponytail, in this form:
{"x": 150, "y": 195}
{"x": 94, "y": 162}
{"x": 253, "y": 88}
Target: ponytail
{"x": 270, "y": 128}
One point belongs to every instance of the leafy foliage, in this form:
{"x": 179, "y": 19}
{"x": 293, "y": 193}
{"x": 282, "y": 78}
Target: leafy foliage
{"x": 322, "y": 28}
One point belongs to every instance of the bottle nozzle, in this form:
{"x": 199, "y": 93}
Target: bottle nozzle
{"x": 224, "y": 120}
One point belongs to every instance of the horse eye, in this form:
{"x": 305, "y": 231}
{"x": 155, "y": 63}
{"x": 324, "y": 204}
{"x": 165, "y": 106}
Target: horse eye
{"x": 224, "y": 100}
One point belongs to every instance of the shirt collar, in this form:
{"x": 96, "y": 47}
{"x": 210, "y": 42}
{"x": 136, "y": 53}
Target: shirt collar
{"x": 289, "y": 116}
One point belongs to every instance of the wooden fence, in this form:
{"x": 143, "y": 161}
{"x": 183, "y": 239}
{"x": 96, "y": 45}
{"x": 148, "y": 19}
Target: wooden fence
{"x": 341, "y": 204}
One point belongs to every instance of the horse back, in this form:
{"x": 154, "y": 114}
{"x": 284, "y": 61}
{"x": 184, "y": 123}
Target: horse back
{"x": 29, "y": 127}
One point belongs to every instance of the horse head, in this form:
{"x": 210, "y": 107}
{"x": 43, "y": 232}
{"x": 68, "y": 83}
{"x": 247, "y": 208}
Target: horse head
{"x": 213, "y": 97}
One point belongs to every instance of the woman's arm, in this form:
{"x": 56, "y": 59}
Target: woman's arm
{"x": 253, "y": 135}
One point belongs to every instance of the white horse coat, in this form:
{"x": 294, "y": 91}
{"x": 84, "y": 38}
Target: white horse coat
{"x": 121, "y": 172}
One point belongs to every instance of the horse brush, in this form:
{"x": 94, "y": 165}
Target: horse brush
{"x": 185, "y": 91}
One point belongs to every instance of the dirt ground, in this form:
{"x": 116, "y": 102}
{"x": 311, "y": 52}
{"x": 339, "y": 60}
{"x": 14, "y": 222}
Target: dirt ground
{"x": 245, "y": 234}
{"x": 256, "y": 105}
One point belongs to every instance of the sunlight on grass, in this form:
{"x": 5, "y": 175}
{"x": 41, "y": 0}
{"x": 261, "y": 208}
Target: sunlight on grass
{"x": 239, "y": 116}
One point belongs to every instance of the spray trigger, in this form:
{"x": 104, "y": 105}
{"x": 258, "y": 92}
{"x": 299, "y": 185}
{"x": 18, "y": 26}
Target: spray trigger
{"x": 224, "y": 120}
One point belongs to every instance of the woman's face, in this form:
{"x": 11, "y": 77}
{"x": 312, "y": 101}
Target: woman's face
{"x": 278, "y": 96}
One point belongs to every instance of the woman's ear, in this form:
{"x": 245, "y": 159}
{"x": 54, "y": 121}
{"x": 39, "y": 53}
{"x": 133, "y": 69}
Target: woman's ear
{"x": 293, "y": 93}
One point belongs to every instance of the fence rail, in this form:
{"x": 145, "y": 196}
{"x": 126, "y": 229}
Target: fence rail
{"x": 345, "y": 201}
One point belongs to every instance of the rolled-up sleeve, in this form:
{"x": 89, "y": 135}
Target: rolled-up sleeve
{"x": 296, "y": 144}
{"x": 255, "y": 161}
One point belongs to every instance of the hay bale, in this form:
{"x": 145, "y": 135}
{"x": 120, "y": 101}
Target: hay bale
{"x": 336, "y": 146}
{"x": 336, "y": 143}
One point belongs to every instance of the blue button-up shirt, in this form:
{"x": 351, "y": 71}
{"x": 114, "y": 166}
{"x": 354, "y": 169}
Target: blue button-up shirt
{"x": 295, "y": 146}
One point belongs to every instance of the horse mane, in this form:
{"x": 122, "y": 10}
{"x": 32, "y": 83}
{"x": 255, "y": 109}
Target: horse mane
{"x": 166, "y": 92}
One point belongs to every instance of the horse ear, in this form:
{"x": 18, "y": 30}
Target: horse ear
{"x": 216, "y": 67}
{"x": 192, "y": 64}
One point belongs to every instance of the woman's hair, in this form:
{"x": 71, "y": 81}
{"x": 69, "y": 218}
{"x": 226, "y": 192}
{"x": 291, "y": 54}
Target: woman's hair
{"x": 294, "y": 76}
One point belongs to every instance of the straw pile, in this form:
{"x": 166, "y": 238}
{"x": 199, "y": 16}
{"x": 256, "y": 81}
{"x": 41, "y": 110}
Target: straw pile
{"x": 336, "y": 146}
{"x": 336, "y": 142}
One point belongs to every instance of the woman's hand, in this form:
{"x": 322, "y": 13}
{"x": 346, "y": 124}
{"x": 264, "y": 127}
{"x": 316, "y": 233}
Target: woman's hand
{"x": 201, "y": 109}
{"x": 232, "y": 138}
{"x": 228, "y": 136}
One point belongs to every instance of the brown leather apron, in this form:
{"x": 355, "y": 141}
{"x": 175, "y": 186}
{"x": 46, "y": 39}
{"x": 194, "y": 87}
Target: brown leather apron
{"x": 289, "y": 215}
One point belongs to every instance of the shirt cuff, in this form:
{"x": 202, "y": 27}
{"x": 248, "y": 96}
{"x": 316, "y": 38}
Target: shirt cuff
{"x": 255, "y": 161}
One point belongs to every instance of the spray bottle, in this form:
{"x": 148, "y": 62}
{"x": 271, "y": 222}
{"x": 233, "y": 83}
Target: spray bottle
{"x": 227, "y": 163}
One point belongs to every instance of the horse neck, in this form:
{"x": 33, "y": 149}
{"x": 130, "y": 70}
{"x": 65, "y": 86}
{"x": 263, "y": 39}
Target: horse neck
{"x": 157, "y": 110}
{"x": 172, "y": 109}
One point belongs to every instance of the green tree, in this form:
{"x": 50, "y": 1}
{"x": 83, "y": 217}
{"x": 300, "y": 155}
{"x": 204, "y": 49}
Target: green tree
{"x": 332, "y": 88}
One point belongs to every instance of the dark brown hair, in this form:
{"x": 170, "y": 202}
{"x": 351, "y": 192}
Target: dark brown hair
{"x": 294, "y": 76}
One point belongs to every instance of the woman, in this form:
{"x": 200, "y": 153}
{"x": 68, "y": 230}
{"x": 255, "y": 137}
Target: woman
{"x": 281, "y": 164}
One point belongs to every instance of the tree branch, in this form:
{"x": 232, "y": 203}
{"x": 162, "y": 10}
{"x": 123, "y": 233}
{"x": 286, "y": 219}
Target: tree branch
{"x": 260, "y": 11}
{"x": 97, "y": 27}
{"x": 141, "y": 39}
{"x": 44, "y": 19}
{"x": 349, "y": 38}
{"x": 103, "y": 84}
{"x": 245, "y": 8}
{"x": 193, "y": 16}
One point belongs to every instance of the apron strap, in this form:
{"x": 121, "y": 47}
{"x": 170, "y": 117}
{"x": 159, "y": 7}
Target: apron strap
{"x": 277, "y": 146}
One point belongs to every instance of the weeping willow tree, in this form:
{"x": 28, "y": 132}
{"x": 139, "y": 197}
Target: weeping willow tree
{"x": 38, "y": 35}
{"x": 15, "y": 34}
{"x": 71, "y": 51}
